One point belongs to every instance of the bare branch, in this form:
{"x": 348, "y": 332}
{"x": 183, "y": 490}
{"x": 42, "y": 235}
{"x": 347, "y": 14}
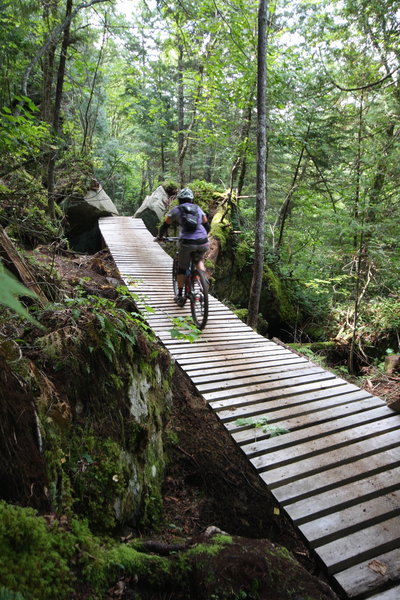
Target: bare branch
{"x": 366, "y": 86}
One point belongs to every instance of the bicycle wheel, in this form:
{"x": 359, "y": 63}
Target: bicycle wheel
{"x": 199, "y": 299}
{"x": 175, "y": 266}
{"x": 174, "y": 276}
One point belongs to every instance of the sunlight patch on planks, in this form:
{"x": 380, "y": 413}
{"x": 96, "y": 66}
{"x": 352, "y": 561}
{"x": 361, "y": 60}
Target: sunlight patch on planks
{"x": 336, "y": 472}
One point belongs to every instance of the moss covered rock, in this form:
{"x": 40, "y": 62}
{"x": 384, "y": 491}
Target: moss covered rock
{"x": 101, "y": 387}
{"x": 52, "y": 558}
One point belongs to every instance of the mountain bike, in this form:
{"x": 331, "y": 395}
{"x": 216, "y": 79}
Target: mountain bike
{"x": 195, "y": 288}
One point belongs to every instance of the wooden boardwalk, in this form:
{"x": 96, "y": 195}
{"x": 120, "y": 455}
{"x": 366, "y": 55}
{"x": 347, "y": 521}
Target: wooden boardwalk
{"x": 336, "y": 473}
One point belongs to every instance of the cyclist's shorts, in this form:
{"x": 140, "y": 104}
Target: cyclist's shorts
{"x": 188, "y": 252}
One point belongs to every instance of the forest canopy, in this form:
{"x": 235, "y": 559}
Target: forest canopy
{"x": 149, "y": 92}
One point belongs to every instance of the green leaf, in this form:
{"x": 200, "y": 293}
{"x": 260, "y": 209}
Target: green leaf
{"x": 10, "y": 290}
{"x": 184, "y": 329}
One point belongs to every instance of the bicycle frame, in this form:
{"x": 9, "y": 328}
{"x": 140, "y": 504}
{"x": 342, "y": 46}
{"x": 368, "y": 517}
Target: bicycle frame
{"x": 195, "y": 288}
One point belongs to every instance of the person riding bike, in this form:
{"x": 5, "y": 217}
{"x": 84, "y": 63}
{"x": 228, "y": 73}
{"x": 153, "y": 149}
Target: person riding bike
{"x": 193, "y": 242}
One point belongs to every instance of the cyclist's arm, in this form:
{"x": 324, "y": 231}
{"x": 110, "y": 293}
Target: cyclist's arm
{"x": 164, "y": 227}
{"x": 205, "y": 223}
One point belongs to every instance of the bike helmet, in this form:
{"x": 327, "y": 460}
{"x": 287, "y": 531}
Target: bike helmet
{"x": 185, "y": 195}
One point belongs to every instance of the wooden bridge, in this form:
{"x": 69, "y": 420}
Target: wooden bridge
{"x": 336, "y": 472}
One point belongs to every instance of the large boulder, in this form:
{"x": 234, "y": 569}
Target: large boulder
{"x": 153, "y": 208}
{"x": 101, "y": 201}
{"x": 82, "y": 215}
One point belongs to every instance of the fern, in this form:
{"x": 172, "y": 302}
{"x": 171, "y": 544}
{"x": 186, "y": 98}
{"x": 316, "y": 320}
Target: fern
{"x": 261, "y": 423}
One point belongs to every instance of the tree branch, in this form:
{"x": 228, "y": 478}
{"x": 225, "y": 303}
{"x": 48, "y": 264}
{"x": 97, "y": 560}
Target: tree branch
{"x": 53, "y": 36}
{"x": 366, "y": 86}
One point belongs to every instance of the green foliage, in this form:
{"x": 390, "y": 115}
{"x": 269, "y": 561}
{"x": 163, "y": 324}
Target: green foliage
{"x": 221, "y": 227}
{"x": 95, "y": 468}
{"x": 282, "y": 300}
{"x": 261, "y": 423}
{"x": 10, "y": 290}
{"x": 217, "y": 543}
{"x": 241, "y": 313}
{"x": 8, "y": 595}
{"x": 115, "y": 325}
{"x": 184, "y": 329}
{"x": 207, "y": 195}
{"x": 378, "y": 325}
{"x": 23, "y": 211}
{"x": 22, "y": 136}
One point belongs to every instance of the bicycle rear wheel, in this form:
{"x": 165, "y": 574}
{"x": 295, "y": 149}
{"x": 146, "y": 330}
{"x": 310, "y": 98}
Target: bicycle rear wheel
{"x": 174, "y": 276}
{"x": 199, "y": 299}
{"x": 175, "y": 267}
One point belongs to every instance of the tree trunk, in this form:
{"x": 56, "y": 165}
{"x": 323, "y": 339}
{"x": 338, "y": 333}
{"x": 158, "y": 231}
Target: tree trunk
{"x": 285, "y": 208}
{"x": 55, "y": 34}
{"x": 246, "y": 135}
{"x": 87, "y": 136}
{"x": 57, "y": 105}
{"x": 256, "y": 283}
{"x": 181, "y": 113}
{"x": 357, "y": 241}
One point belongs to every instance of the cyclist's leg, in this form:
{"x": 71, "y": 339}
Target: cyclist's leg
{"x": 183, "y": 265}
{"x": 197, "y": 257}
{"x": 199, "y": 295}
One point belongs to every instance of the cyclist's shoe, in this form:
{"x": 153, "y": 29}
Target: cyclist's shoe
{"x": 180, "y": 300}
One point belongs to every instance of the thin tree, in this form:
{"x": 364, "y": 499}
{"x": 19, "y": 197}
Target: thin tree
{"x": 57, "y": 107}
{"x": 256, "y": 283}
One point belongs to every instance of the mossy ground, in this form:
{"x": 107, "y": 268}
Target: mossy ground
{"x": 47, "y": 558}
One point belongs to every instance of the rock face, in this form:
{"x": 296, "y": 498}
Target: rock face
{"x": 96, "y": 399}
{"x": 153, "y": 209}
{"x": 82, "y": 215}
{"x": 101, "y": 201}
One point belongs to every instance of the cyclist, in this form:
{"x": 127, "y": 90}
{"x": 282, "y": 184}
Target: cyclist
{"x": 192, "y": 243}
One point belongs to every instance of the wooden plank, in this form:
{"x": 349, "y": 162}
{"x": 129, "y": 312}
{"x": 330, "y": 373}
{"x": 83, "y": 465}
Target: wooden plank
{"x": 259, "y": 377}
{"x": 234, "y": 353}
{"x": 312, "y": 432}
{"x": 261, "y": 403}
{"x": 315, "y": 406}
{"x": 219, "y": 346}
{"x": 300, "y": 466}
{"x": 214, "y": 321}
{"x": 391, "y": 594}
{"x": 317, "y": 444}
{"x": 362, "y": 578}
{"x": 242, "y": 369}
{"x": 342, "y": 522}
{"x": 361, "y": 545}
{"x": 341, "y": 456}
{"x": 157, "y": 320}
{"x": 374, "y": 485}
{"x": 210, "y": 337}
{"x": 330, "y": 419}
{"x": 333, "y": 475}
{"x": 206, "y": 340}
{"x": 215, "y": 364}
{"x": 243, "y": 395}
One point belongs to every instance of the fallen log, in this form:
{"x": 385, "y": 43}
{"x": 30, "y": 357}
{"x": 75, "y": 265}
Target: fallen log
{"x": 19, "y": 267}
